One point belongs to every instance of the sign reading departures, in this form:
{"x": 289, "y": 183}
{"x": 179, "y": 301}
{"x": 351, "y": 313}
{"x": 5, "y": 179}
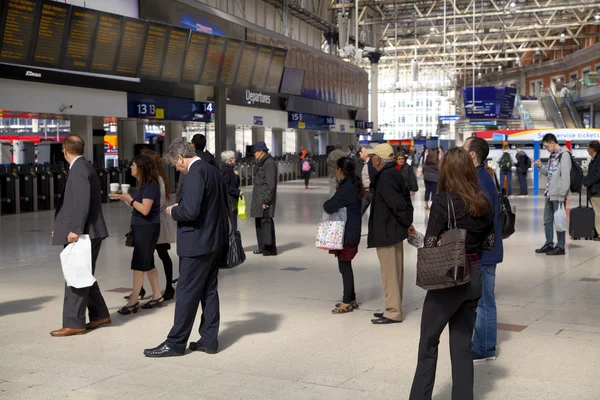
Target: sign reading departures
{"x": 46, "y": 33}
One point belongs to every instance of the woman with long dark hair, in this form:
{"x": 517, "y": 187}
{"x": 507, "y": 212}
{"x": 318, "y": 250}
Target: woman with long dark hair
{"x": 431, "y": 176}
{"x": 349, "y": 194}
{"x": 459, "y": 199}
{"x": 145, "y": 227}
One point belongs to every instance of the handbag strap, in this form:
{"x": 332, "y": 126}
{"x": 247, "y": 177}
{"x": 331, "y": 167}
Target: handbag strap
{"x": 451, "y": 203}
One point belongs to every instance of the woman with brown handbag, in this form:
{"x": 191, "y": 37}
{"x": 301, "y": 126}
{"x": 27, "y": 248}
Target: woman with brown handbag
{"x": 461, "y": 203}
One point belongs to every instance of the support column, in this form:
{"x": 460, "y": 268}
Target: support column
{"x": 374, "y": 59}
{"x": 83, "y": 126}
{"x": 277, "y": 141}
{"x": 220, "y": 122}
{"x": 231, "y": 139}
{"x": 129, "y": 132}
{"x": 173, "y": 130}
{"x": 258, "y": 134}
{"x": 592, "y": 116}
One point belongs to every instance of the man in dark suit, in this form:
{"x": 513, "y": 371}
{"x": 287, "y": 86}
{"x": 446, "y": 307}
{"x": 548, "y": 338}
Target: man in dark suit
{"x": 79, "y": 212}
{"x": 202, "y": 242}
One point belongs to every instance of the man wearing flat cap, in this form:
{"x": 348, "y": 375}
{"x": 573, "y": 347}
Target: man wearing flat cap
{"x": 264, "y": 197}
{"x": 391, "y": 216}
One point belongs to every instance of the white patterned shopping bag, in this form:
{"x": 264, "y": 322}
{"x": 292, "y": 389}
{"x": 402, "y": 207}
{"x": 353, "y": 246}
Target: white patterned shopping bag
{"x": 330, "y": 231}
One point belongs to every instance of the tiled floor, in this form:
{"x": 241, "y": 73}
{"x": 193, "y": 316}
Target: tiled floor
{"x": 278, "y": 337}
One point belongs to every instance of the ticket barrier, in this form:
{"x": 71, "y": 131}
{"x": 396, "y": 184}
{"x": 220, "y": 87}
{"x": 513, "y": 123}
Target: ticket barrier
{"x": 9, "y": 191}
{"x": 126, "y": 176}
{"x": 45, "y": 187}
{"x": 28, "y": 188}
{"x": 59, "y": 175}
{"x": 115, "y": 175}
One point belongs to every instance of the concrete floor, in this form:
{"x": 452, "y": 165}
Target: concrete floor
{"x": 278, "y": 337}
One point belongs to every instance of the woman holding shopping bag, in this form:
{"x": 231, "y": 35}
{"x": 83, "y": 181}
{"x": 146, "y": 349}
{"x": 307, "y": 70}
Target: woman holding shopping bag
{"x": 349, "y": 195}
{"x": 232, "y": 183}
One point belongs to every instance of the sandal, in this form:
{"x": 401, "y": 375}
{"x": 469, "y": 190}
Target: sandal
{"x": 131, "y": 309}
{"x": 343, "y": 309}
{"x": 154, "y": 303}
{"x": 354, "y": 305}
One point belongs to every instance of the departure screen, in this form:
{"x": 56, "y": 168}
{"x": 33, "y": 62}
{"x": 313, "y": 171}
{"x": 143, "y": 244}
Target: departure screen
{"x": 82, "y": 28}
{"x": 154, "y": 51}
{"x": 249, "y": 56}
{"x": 134, "y": 34}
{"x": 51, "y": 34}
{"x": 194, "y": 58}
{"x": 178, "y": 40}
{"x": 18, "y": 23}
{"x": 261, "y": 69}
{"x": 276, "y": 70}
{"x": 107, "y": 43}
{"x": 231, "y": 62}
{"x": 213, "y": 61}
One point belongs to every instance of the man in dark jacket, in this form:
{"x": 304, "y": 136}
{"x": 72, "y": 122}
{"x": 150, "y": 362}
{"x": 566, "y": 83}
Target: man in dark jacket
{"x": 264, "y": 199}
{"x": 202, "y": 242}
{"x": 199, "y": 143}
{"x": 485, "y": 334}
{"x": 523, "y": 165}
{"x": 391, "y": 216}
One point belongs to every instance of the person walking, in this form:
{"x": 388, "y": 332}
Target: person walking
{"x": 232, "y": 183}
{"x": 506, "y": 163}
{"x": 79, "y": 212}
{"x": 391, "y": 216}
{"x": 486, "y": 324}
{"x": 349, "y": 195}
{"x": 460, "y": 195}
{"x": 145, "y": 230}
{"x": 558, "y": 171}
{"x": 431, "y": 175}
{"x": 307, "y": 166}
{"x": 592, "y": 182}
{"x": 332, "y": 159}
{"x": 408, "y": 173}
{"x": 202, "y": 242}
{"x": 264, "y": 198}
{"x": 523, "y": 165}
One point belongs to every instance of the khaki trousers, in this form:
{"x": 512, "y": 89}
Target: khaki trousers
{"x": 391, "y": 260}
{"x": 596, "y": 206}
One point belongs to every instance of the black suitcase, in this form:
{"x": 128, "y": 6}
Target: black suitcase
{"x": 582, "y": 222}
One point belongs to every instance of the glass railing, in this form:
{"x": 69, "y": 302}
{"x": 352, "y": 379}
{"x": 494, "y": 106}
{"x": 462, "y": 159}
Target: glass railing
{"x": 568, "y": 101}
{"x": 591, "y": 79}
{"x": 525, "y": 116}
{"x": 551, "y": 108}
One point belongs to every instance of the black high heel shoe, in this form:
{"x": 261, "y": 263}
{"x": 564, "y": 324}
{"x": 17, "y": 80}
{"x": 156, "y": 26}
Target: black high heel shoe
{"x": 128, "y": 310}
{"x": 140, "y": 297}
{"x": 154, "y": 303}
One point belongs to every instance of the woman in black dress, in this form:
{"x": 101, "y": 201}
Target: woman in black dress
{"x": 349, "y": 194}
{"x": 145, "y": 225}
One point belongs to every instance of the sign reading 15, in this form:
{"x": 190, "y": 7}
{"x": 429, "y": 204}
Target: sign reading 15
{"x": 146, "y": 109}
{"x": 295, "y": 116}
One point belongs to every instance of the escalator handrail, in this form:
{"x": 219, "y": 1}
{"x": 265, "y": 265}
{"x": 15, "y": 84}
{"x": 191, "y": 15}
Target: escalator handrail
{"x": 573, "y": 111}
{"x": 554, "y": 114}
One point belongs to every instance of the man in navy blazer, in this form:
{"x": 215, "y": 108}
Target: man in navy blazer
{"x": 202, "y": 242}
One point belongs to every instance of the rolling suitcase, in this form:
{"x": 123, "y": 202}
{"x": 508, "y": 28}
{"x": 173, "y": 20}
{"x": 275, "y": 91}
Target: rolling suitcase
{"x": 582, "y": 221}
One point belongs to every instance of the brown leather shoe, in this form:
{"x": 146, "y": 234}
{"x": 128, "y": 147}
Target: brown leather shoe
{"x": 97, "y": 324}
{"x": 67, "y": 332}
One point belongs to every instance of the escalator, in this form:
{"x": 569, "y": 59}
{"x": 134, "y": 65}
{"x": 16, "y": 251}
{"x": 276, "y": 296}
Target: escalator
{"x": 570, "y": 114}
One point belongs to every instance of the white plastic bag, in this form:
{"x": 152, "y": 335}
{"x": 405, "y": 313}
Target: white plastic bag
{"x": 560, "y": 218}
{"x": 417, "y": 240}
{"x": 76, "y": 260}
{"x": 330, "y": 231}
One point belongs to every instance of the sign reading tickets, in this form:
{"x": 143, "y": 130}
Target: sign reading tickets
{"x": 535, "y": 135}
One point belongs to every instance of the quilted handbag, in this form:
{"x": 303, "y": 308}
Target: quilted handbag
{"x": 330, "y": 231}
{"x": 446, "y": 264}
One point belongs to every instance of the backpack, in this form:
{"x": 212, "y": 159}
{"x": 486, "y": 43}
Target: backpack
{"x": 527, "y": 162}
{"x": 505, "y": 162}
{"x": 507, "y": 216}
{"x": 305, "y": 166}
{"x": 576, "y": 178}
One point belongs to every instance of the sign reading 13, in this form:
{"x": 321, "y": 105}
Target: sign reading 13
{"x": 146, "y": 109}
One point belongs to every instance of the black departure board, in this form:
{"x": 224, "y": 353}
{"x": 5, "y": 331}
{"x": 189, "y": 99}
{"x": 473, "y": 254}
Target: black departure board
{"x": 17, "y": 37}
{"x": 51, "y": 34}
{"x": 213, "y": 61}
{"x": 231, "y": 62}
{"x": 154, "y": 51}
{"x": 108, "y": 37}
{"x": 194, "y": 58}
{"x": 244, "y": 75}
{"x": 82, "y": 31}
{"x": 178, "y": 40}
{"x": 261, "y": 69}
{"x": 130, "y": 51}
{"x": 276, "y": 70}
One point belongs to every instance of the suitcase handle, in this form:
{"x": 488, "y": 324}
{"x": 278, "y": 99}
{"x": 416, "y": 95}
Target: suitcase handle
{"x": 587, "y": 200}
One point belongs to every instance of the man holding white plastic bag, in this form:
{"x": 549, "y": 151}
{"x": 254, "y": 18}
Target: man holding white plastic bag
{"x": 79, "y": 214}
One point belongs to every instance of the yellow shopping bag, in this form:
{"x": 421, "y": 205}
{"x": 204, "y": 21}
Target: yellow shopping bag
{"x": 242, "y": 208}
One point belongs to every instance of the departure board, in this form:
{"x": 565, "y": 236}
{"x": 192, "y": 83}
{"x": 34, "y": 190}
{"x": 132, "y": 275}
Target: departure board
{"x": 130, "y": 51}
{"x": 213, "y": 61}
{"x": 261, "y": 68}
{"x": 82, "y": 28}
{"x": 18, "y": 31}
{"x": 194, "y": 58}
{"x": 178, "y": 40}
{"x": 231, "y": 62}
{"x": 244, "y": 75}
{"x": 110, "y": 28}
{"x": 154, "y": 51}
{"x": 276, "y": 70}
{"x": 51, "y": 34}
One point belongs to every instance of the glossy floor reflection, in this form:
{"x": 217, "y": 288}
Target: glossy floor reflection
{"x": 278, "y": 337}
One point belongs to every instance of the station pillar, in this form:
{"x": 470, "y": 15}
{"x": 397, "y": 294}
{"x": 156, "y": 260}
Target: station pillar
{"x": 129, "y": 132}
{"x": 536, "y": 170}
{"x": 374, "y": 59}
{"x": 220, "y": 122}
{"x": 84, "y": 127}
{"x": 173, "y": 130}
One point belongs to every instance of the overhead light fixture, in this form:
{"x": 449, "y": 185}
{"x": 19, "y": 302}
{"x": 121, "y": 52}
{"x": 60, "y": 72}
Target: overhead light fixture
{"x": 499, "y": 68}
{"x": 513, "y": 4}
{"x": 562, "y": 37}
{"x": 479, "y": 75}
{"x": 432, "y": 29}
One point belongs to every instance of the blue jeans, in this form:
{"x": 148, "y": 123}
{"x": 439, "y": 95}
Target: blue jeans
{"x": 549, "y": 210}
{"x": 508, "y": 176}
{"x": 486, "y": 321}
{"x": 523, "y": 182}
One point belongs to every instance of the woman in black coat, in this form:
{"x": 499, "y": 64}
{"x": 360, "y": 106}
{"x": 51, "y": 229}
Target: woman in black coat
{"x": 232, "y": 183}
{"x": 408, "y": 173}
{"x": 349, "y": 194}
{"x": 592, "y": 182}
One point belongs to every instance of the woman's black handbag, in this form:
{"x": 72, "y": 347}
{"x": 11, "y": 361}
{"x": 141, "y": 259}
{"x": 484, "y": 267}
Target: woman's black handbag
{"x": 129, "y": 238}
{"x": 507, "y": 216}
{"x": 446, "y": 264}
{"x": 236, "y": 255}
{"x": 266, "y": 229}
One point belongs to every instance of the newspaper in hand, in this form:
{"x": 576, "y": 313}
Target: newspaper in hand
{"x": 416, "y": 239}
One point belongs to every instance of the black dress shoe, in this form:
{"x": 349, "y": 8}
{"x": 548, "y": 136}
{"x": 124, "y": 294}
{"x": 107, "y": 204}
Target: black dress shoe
{"x": 197, "y": 346}
{"x": 269, "y": 253}
{"x": 546, "y": 248}
{"x": 557, "y": 251}
{"x": 162, "y": 350}
{"x": 257, "y": 252}
{"x": 384, "y": 321}
{"x": 378, "y": 315}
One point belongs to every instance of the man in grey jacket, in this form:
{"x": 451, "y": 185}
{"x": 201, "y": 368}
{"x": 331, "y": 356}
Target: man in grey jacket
{"x": 556, "y": 193}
